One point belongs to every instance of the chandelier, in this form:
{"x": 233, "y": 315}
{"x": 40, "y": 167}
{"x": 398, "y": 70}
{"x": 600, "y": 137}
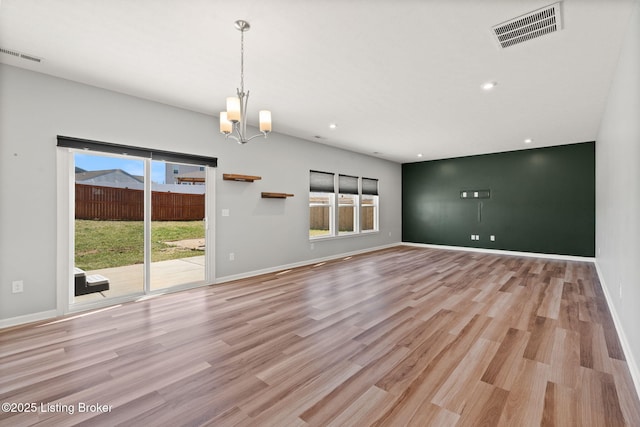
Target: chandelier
{"x": 233, "y": 122}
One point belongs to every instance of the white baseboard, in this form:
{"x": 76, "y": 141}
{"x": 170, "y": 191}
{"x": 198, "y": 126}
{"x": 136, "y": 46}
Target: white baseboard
{"x": 300, "y": 264}
{"x": 626, "y": 348}
{"x": 27, "y": 318}
{"x": 502, "y": 252}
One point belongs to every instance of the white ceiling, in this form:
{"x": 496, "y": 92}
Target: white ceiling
{"x": 398, "y": 77}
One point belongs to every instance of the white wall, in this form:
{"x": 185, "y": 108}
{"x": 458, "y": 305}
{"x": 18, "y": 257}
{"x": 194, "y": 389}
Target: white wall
{"x": 618, "y": 195}
{"x": 262, "y": 233}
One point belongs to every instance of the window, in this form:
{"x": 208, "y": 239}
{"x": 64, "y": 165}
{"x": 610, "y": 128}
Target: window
{"x": 321, "y": 203}
{"x": 356, "y": 200}
{"x": 369, "y": 215}
{"x": 347, "y": 204}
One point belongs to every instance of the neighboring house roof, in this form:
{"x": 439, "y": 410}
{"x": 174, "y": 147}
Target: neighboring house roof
{"x": 89, "y": 175}
{"x": 195, "y": 176}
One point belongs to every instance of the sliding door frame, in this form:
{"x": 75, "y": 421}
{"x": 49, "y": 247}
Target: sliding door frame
{"x": 66, "y": 234}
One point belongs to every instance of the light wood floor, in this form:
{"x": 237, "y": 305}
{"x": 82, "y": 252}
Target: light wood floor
{"x": 404, "y": 336}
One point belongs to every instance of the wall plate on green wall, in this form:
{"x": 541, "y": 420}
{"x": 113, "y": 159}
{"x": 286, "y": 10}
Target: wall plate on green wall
{"x": 475, "y": 194}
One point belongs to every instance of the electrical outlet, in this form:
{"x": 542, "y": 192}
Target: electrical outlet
{"x": 17, "y": 286}
{"x": 492, "y": 238}
{"x": 232, "y": 256}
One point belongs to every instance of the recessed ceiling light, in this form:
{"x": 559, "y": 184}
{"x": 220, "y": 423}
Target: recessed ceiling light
{"x": 333, "y": 126}
{"x": 489, "y": 85}
{"x": 419, "y": 154}
{"x": 528, "y": 141}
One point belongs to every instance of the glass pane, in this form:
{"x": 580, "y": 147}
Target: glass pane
{"x": 109, "y": 227}
{"x": 369, "y": 213}
{"x": 320, "y": 205}
{"x": 177, "y": 224}
{"x": 347, "y": 221}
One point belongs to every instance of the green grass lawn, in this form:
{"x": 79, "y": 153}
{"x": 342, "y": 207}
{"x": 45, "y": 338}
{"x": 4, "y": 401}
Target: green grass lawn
{"x": 104, "y": 244}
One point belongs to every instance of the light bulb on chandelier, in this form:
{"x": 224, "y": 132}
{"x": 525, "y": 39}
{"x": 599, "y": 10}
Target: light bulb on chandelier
{"x": 233, "y": 123}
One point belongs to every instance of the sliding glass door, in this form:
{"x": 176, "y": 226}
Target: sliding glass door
{"x": 139, "y": 226}
{"x": 108, "y": 226}
{"x": 178, "y": 231}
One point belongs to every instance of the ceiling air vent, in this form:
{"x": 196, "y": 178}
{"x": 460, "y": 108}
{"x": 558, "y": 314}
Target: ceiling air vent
{"x": 20, "y": 55}
{"x": 526, "y": 27}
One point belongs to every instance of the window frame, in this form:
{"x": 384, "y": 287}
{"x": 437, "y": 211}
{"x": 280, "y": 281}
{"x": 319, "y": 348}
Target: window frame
{"x": 342, "y": 185}
{"x": 348, "y": 187}
{"x": 367, "y": 189}
{"x": 322, "y": 183}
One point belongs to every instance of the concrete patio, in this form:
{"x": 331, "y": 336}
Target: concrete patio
{"x": 128, "y": 279}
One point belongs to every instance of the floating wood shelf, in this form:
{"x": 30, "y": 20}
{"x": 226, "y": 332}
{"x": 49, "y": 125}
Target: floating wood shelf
{"x": 266, "y": 195}
{"x": 238, "y": 177}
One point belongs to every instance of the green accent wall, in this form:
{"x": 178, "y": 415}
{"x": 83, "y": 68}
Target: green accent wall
{"x": 541, "y": 200}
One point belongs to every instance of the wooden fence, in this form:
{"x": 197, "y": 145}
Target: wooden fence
{"x": 319, "y": 218}
{"x": 109, "y": 203}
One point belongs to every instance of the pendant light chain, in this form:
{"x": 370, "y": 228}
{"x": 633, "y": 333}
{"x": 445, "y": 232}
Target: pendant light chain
{"x": 242, "y": 61}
